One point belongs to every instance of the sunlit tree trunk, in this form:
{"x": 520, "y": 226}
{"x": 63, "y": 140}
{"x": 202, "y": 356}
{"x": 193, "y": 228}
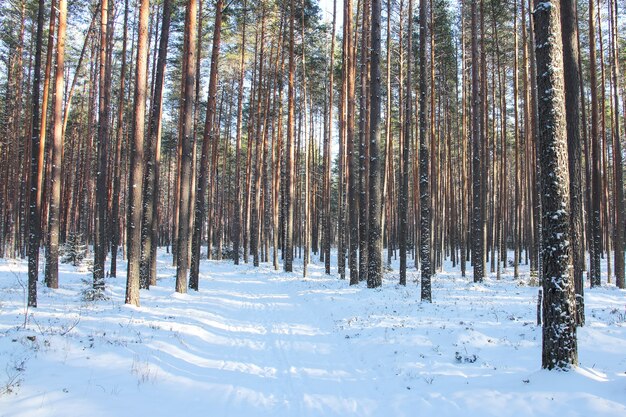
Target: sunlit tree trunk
{"x": 52, "y": 263}
{"x": 559, "y": 324}
{"x": 135, "y": 183}
{"x": 208, "y": 137}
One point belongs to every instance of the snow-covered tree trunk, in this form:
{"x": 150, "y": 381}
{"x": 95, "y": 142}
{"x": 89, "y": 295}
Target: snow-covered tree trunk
{"x": 424, "y": 181}
{"x": 559, "y": 325}
{"x": 375, "y": 236}
{"x": 478, "y": 254}
{"x": 34, "y": 209}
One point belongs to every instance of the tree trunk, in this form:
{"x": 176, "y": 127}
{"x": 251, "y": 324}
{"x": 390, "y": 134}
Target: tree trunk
{"x": 596, "y": 157}
{"x": 353, "y": 161}
{"x": 327, "y": 154}
{"x": 424, "y": 170}
{"x": 559, "y": 324}
{"x": 203, "y": 179}
{"x": 52, "y": 263}
{"x": 289, "y": 163}
{"x": 477, "y": 114}
{"x": 572, "y": 109}
{"x": 100, "y": 242}
{"x": 115, "y": 204}
{"x": 236, "y": 236}
{"x": 149, "y": 215}
{"x": 135, "y": 183}
{"x": 619, "y": 204}
{"x": 404, "y": 164}
{"x": 375, "y": 237}
{"x": 34, "y": 214}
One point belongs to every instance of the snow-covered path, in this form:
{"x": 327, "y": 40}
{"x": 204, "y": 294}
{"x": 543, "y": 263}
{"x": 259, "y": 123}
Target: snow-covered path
{"x": 256, "y": 342}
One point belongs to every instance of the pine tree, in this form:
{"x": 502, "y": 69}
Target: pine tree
{"x": 52, "y": 261}
{"x": 34, "y": 210}
{"x": 559, "y": 324}
{"x": 424, "y": 168}
{"x": 135, "y": 183}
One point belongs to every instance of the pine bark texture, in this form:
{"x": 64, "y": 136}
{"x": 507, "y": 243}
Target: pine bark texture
{"x": 135, "y": 183}
{"x": 478, "y": 254}
{"x": 375, "y": 236}
{"x": 572, "y": 109}
{"x": 52, "y": 263}
{"x": 404, "y": 165}
{"x": 619, "y": 204}
{"x": 595, "y": 248}
{"x": 424, "y": 168}
{"x": 203, "y": 177}
{"x": 559, "y": 324}
{"x": 289, "y": 150}
{"x": 100, "y": 242}
{"x": 149, "y": 226}
{"x": 186, "y": 161}
{"x": 352, "y": 154}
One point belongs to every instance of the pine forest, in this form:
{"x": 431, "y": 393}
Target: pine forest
{"x": 312, "y": 207}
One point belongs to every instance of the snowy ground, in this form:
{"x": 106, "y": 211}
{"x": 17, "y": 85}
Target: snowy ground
{"x": 255, "y": 342}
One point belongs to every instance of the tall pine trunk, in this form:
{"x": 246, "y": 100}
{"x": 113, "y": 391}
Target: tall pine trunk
{"x": 289, "y": 162}
{"x": 34, "y": 214}
{"x": 115, "y": 203}
{"x": 100, "y": 242}
{"x": 596, "y": 157}
{"x": 149, "y": 225}
{"x": 620, "y": 208}
{"x": 327, "y": 156}
{"x": 572, "y": 109}
{"x": 424, "y": 180}
{"x": 352, "y": 156}
{"x": 135, "y": 183}
{"x": 203, "y": 178}
{"x": 478, "y": 254}
{"x": 52, "y": 262}
{"x": 559, "y": 325}
{"x": 404, "y": 164}
{"x": 236, "y": 235}
{"x": 186, "y": 161}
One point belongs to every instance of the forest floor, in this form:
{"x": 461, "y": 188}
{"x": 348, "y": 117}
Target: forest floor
{"x": 256, "y": 342}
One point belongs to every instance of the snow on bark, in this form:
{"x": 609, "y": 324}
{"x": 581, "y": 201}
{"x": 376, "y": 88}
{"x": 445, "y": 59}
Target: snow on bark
{"x": 559, "y": 327}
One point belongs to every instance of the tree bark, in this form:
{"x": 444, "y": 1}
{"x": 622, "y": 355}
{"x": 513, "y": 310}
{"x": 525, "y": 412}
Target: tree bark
{"x": 424, "y": 170}
{"x": 327, "y": 154}
{"x": 236, "y": 236}
{"x": 149, "y": 226}
{"x": 477, "y": 139}
{"x": 404, "y": 165}
{"x": 100, "y": 242}
{"x": 52, "y": 263}
{"x": 289, "y": 163}
{"x": 115, "y": 204}
{"x": 203, "y": 179}
{"x": 34, "y": 214}
{"x": 135, "y": 184}
{"x": 559, "y": 325}
{"x": 620, "y": 207}
{"x": 572, "y": 110}
{"x": 596, "y": 157}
